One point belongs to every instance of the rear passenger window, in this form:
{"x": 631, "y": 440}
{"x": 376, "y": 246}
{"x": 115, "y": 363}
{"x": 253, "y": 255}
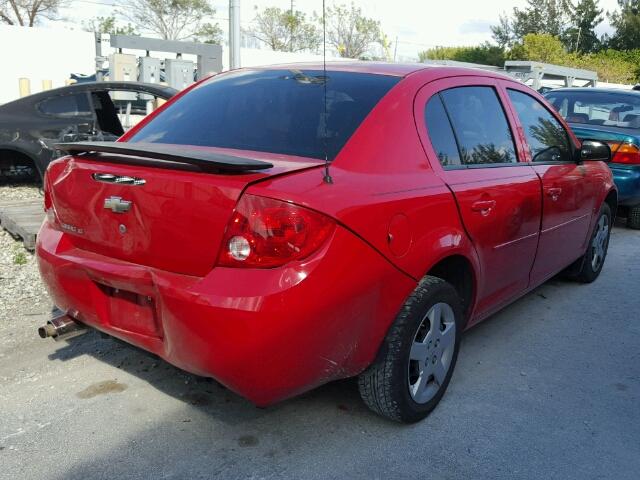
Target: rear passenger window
{"x": 66, "y": 106}
{"x": 545, "y": 135}
{"x": 480, "y": 125}
{"x": 440, "y": 133}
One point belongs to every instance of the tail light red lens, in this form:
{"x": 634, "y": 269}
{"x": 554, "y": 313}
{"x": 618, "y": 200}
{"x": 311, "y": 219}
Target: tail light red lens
{"x": 626, "y": 153}
{"x": 48, "y": 203}
{"x": 267, "y": 233}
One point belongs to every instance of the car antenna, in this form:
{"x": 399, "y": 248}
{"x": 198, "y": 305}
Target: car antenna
{"x": 327, "y": 176}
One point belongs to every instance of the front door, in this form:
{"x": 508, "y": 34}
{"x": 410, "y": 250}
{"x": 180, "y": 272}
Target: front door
{"x": 568, "y": 189}
{"x": 470, "y": 144}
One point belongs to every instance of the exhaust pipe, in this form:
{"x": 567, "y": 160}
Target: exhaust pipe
{"x": 62, "y": 326}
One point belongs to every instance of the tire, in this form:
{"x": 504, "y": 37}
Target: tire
{"x": 16, "y": 168}
{"x": 588, "y": 267}
{"x": 398, "y": 385}
{"x": 633, "y": 219}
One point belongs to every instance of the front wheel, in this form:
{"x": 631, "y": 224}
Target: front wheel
{"x": 590, "y": 265}
{"x": 418, "y": 355}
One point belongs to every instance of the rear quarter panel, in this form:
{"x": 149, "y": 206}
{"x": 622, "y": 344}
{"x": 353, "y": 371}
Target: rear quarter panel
{"x": 385, "y": 192}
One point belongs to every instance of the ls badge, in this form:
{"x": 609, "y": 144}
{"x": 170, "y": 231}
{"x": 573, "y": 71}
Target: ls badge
{"x": 117, "y": 204}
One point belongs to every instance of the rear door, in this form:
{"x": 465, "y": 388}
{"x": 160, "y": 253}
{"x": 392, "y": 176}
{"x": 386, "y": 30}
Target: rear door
{"x": 467, "y": 135}
{"x": 569, "y": 190}
{"x": 70, "y": 118}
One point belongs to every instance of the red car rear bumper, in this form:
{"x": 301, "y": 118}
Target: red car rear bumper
{"x": 265, "y": 334}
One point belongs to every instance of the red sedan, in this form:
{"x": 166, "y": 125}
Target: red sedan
{"x": 278, "y": 228}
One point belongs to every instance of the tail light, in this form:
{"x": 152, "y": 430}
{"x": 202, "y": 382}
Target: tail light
{"x": 266, "y": 233}
{"x": 626, "y": 153}
{"x": 48, "y": 203}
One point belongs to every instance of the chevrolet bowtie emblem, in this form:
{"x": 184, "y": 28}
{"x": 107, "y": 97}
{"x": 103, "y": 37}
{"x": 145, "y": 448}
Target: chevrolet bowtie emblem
{"x": 117, "y": 204}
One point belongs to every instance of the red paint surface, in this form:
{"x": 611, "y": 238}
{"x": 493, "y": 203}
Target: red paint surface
{"x": 272, "y": 333}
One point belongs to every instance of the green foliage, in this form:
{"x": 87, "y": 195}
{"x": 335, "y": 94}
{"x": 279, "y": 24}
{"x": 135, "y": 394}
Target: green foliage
{"x": 209, "y": 33}
{"x": 20, "y": 258}
{"x": 485, "y": 54}
{"x": 285, "y": 30}
{"x": 581, "y": 35}
{"x": 612, "y": 65}
{"x": 540, "y": 48}
{"x": 109, "y": 25}
{"x": 538, "y": 16}
{"x": 626, "y": 23}
{"x": 350, "y": 32}
{"x": 556, "y": 31}
{"x": 171, "y": 19}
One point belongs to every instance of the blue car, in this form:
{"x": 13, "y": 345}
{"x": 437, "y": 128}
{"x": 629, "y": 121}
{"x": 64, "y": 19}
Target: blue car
{"x": 612, "y": 116}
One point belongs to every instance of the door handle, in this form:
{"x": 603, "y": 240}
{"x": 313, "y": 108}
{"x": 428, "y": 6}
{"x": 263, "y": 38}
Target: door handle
{"x": 554, "y": 193}
{"x": 483, "y": 206}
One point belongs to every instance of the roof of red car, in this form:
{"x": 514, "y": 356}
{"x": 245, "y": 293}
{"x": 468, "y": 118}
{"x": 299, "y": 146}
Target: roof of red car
{"x": 381, "y": 68}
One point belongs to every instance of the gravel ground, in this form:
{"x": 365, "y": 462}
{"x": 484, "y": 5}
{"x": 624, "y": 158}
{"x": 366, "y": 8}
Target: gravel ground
{"x": 19, "y": 192}
{"x": 548, "y": 388}
{"x": 22, "y": 294}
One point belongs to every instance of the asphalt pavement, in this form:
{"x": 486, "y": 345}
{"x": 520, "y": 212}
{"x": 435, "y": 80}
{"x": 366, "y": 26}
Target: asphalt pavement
{"x": 547, "y": 389}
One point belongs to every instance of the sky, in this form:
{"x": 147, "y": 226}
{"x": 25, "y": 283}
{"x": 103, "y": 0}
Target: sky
{"x": 417, "y": 24}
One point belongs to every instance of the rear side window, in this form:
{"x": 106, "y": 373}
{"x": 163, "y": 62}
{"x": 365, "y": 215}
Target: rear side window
{"x": 595, "y": 107}
{"x": 278, "y": 111}
{"x": 66, "y": 106}
{"x": 546, "y": 137}
{"x": 441, "y": 133}
{"x": 480, "y": 125}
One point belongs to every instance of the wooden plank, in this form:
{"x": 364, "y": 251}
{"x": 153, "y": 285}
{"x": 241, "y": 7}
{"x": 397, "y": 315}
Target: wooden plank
{"x": 22, "y": 219}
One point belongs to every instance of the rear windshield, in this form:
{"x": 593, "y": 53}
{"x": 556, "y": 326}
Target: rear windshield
{"x": 277, "y": 111}
{"x": 598, "y": 108}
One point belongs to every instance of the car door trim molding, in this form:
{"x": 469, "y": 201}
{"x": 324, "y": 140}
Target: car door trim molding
{"x": 564, "y": 224}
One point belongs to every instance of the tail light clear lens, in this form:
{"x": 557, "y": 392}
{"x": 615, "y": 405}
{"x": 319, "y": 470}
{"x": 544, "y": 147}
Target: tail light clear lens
{"x": 267, "y": 233}
{"x": 626, "y": 153}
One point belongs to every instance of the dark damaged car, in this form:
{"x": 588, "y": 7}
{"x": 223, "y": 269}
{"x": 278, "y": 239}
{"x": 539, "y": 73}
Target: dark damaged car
{"x": 103, "y": 111}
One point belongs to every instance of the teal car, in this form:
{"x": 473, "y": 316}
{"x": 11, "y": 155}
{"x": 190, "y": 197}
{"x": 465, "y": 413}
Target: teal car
{"x": 612, "y": 116}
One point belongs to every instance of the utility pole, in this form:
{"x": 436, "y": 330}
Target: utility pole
{"x": 395, "y": 49}
{"x": 234, "y": 34}
{"x": 291, "y": 31}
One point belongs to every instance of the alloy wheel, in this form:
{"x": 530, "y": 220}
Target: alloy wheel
{"x": 431, "y": 352}
{"x": 600, "y": 243}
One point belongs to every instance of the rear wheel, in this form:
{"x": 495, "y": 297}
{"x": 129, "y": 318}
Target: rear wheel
{"x": 633, "y": 219}
{"x": 590, "y": 265}
{"x": 16, "y": 167}
{"x": 418, "y": 356}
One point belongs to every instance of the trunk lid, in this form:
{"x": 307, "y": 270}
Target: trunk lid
{"x": 168, "y": 218}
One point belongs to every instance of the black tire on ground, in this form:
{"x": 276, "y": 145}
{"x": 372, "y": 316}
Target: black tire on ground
{"x": 385, "y": 385}
{"x": 633, "y": 219}
{"x": 586, "y": 269}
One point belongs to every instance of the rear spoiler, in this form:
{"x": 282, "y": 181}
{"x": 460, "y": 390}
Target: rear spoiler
{"x": 163, "y": 153}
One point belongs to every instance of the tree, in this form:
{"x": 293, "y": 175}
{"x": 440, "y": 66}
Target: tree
{"x": 485, "y": 54}
{"x": 540, "y": 48}
{"x": 109, "y": 25}
{"x": 611, "y": 65}
{"x": 27, "y": 13}
{"x": 503, "y": 33}
{"x": 285, "y": 30}
{"x": 172, "y": 19}
{"x": 626, "y": 23}
{"x": 581, "y": 36}
{"x": 350, "y": 32}
{"x": 539, "y": 16}
{"x": 209, "y": 33}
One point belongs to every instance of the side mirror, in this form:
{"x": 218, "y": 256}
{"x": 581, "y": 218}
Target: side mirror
{"x": 594, "y": 151}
